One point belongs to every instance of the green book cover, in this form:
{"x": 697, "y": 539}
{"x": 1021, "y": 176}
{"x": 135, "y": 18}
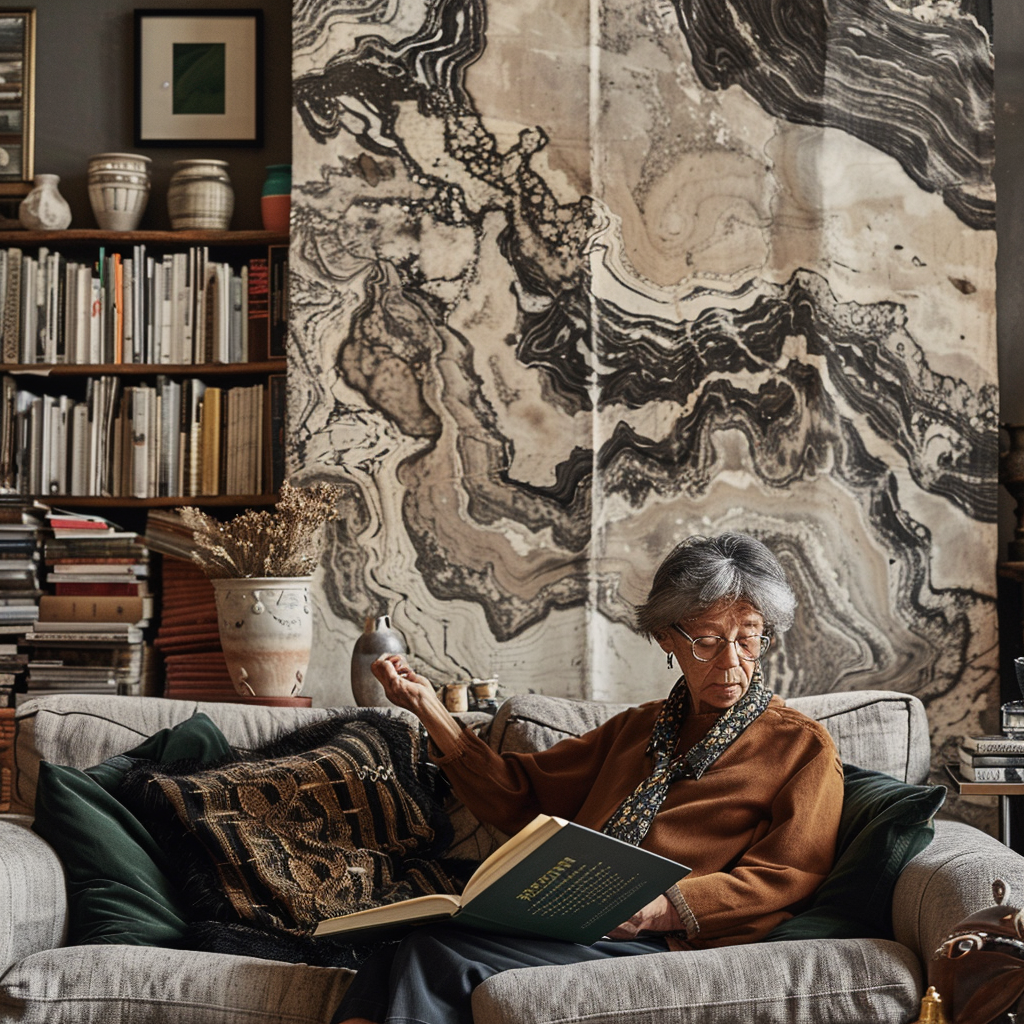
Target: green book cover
{"x": 554, "y": 880}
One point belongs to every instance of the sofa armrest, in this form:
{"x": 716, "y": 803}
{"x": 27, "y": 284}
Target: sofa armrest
{"x": 33, "y": 899}
{"x": 950, "y": 879}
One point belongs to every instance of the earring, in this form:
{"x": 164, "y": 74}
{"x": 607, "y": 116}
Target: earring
{"x": 668, "y": 661}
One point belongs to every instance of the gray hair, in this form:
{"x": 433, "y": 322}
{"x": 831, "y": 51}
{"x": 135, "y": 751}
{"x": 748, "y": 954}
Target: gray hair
{"x": 701, "y": 572}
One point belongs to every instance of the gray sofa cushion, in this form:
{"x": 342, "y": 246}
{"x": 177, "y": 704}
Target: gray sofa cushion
{"x": 841, "y": 980}
{"x": 146, "y": 985}
{"x": 887, "y": 732}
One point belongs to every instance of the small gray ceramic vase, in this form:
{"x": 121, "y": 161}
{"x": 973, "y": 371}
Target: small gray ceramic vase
{"x": 377, "y": 638}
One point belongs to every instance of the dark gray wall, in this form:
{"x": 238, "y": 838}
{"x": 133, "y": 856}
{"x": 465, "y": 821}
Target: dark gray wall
{"x": 85, "y": 102}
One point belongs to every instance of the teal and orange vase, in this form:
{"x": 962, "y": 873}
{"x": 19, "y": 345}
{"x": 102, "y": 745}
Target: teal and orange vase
{"x": 276, "y": 199}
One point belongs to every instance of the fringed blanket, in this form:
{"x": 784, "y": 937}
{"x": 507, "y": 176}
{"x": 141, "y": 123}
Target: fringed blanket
{"x": 333, "y": 818}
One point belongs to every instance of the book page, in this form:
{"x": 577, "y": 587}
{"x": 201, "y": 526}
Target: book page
{"x": 521, "y": 845}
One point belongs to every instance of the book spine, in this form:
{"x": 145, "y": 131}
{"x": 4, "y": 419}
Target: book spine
{"x": 277, "y": 419}
{"x": 73, "y": 608}
{"x": 994, "y": 745}
{"x": 259, "y": 308}
{"x": 277, "y": 259}
{"x": 973, "y": 774}
{"x": 12, "y": 307}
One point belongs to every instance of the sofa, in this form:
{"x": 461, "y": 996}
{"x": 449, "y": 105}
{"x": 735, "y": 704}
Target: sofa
{"x": 835, "y": 979}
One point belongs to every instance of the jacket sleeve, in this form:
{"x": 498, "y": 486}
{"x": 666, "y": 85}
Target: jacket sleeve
{"x": 510, "y": 790}
{"x": 782, "y": 868}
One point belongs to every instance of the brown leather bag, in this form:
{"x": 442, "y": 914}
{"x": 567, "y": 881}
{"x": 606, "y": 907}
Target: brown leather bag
{"x": 979, "y": 969}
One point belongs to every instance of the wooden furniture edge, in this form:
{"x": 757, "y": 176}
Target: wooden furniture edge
{"x": 6, "y": 759}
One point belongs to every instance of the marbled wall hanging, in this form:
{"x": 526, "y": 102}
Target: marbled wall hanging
{"x": 571, "y": 281}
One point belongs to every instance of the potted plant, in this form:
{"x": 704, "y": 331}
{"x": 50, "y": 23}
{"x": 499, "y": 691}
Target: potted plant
{"x": 261, "y": 564}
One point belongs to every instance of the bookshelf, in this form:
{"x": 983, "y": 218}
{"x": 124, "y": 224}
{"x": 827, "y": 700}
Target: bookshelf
{"x": 122, "y": 415}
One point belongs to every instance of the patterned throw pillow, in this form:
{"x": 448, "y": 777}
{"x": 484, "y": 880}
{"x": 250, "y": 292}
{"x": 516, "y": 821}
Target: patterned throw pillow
{"x": 335, "y": 817}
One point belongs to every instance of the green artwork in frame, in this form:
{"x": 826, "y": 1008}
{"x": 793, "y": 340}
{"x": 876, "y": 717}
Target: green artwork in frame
{"x": 200, "y": 79}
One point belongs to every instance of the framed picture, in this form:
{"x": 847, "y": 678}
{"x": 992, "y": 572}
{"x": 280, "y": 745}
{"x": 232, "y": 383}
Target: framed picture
{"x": 17, "y": 100}
{"x": 198, "y": 77}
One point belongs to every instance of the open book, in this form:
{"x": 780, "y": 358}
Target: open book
{"x": 554, "y": 880}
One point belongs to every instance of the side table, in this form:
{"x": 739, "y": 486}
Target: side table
{"x": 1003, "y": 790}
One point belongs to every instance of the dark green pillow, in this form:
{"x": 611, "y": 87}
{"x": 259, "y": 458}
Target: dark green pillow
{"x": 885, "y": 823}
{"x": 119, "y": 890}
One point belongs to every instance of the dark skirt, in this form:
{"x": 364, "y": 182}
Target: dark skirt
{"x": 430, "y": 975}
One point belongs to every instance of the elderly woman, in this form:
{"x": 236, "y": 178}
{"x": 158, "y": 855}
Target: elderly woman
{"x": 720, "y": 776}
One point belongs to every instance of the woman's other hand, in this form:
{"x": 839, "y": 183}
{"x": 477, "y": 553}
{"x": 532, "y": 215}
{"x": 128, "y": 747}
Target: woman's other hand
{"x": 412, "y": 692}
{"x": 658, "y": 916}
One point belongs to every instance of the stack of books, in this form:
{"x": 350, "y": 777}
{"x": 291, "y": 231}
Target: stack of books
{"x": 12, "y": 670}
{"x": 88, "y": 637}
{"x": 992, "y": 759}
{"x": 21, "y": 538}
{"x": 188, "y": 636}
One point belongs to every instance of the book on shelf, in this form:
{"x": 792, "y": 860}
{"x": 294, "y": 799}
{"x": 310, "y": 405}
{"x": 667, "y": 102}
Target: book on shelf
{"x": 72, "y": 609}
{"x": 259, "y": 308}
{"x": 992, "y": 745}
{"x": 74, "y": 524}
{"x": 277, "y": 265}
{"x": 554, "y": 879}
{"x": 80, "y": 633}
{"x": 104, "y": 570}
{"x": 277, "y": 416}
{"x": 77, "y": 588}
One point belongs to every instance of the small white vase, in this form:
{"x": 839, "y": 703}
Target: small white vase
{"x": 118, "y": 189}
{"x": 44, "y": 208}
{"x": 200, "y": 196}
{"x": 378, "y": 637}
{"x": 266, "y": 632}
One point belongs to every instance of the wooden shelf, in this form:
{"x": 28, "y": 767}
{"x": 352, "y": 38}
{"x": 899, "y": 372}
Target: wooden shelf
{"x": 260, "y": 368}
{"x": 171, "y": 501}
{"x": 87, "y": 236}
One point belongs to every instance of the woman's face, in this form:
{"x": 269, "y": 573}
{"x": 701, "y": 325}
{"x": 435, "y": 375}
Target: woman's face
{"x": 717, "y": 684}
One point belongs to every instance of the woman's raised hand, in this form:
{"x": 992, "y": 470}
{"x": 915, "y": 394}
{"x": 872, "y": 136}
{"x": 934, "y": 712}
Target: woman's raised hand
{"x": 403, "y": 687}
{"x": 415, "y": 693}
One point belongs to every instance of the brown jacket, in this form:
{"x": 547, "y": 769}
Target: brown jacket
{"x": 758, "y": 829}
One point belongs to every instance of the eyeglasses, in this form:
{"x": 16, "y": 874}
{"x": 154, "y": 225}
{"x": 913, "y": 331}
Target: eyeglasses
{"x": 707, "y": 648}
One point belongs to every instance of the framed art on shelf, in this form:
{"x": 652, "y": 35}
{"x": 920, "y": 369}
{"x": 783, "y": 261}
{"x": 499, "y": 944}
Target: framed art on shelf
{"x": 17, "y": 100}
{"x": 198, "y": 77}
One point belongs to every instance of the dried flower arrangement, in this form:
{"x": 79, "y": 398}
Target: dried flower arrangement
{"x": 285, "y": 542}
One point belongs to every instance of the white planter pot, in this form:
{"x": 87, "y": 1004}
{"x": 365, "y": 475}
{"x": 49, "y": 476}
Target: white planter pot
{"x": 118, "y": 189}
{"x": 266, "y": 631}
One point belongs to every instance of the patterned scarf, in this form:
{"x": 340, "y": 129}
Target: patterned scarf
{"x": 635, "y": 814}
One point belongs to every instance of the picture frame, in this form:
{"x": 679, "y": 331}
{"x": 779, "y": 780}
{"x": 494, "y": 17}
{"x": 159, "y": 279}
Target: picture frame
{"x": 198, "y": 77}
{"x": 17, "y": 100}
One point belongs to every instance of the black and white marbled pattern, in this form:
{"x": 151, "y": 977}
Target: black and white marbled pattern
{"x": 913, "y": 82}
{"x": 552, "y": 312}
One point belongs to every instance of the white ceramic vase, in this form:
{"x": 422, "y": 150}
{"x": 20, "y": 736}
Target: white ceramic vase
{"x": 200, "y": 196}
{"x": 118, "y": 189}
{"x": 44, "y": 208}
{"x": 266, "y": 632}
